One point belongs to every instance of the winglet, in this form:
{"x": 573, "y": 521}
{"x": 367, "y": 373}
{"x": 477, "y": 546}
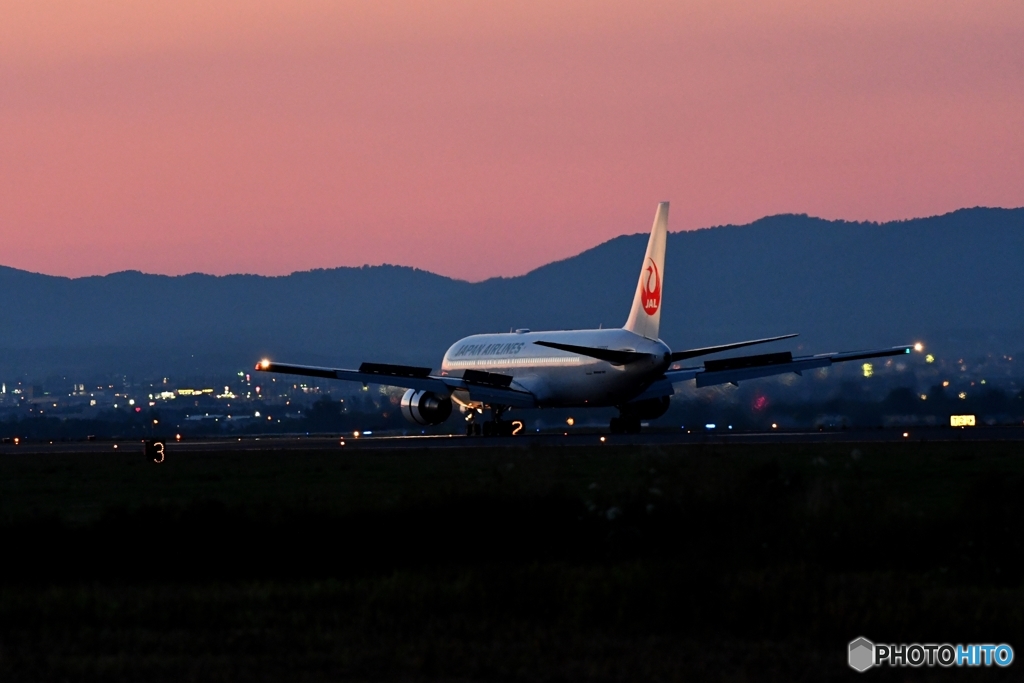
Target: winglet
{"x": 645, "y": 316}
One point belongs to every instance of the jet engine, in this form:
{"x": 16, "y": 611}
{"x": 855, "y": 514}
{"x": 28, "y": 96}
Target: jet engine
{"x": 425, "y": 407}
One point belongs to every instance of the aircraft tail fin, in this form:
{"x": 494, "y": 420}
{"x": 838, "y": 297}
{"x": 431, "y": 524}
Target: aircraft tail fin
{"x": 645, "y": 316}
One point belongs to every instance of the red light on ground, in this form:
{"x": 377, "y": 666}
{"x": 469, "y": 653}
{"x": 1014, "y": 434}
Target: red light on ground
{"x": 138, "y": 409}
{"x": 760, "y": 403}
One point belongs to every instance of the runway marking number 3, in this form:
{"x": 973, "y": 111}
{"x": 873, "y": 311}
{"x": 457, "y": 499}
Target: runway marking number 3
{"x": 155, "y": 449}
{"x": 517, "y": 426}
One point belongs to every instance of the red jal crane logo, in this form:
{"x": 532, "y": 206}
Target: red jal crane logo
{"x": 651, "y": 288}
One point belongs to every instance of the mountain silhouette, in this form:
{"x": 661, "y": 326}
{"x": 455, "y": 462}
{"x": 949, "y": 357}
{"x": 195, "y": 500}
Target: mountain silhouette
{"x": 955, "y": 281}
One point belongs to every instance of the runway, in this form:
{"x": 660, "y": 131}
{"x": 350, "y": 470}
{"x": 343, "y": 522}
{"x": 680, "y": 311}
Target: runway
{"x": 545, "y": 441}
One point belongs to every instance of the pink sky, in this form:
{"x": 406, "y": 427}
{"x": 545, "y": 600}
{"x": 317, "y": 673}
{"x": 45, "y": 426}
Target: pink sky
{"x": 476, "y": 139}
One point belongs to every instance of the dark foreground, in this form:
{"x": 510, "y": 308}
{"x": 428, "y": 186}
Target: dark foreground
{"x": 698, "y": 562}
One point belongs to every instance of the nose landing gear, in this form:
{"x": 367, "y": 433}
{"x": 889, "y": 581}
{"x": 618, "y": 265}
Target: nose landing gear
{"x": 472, "y": 426}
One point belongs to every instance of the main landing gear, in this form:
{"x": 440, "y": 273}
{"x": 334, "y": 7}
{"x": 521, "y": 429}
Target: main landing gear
{"x": 630, "y": 414}
{"x": 493, "y": 427}
{"x": 625, "y": 425}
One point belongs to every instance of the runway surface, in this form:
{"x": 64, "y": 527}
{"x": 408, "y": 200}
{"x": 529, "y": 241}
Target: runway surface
{"x": 545, "y": 440}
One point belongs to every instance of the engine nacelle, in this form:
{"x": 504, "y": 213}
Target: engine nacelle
{"x": 425, "y": 407}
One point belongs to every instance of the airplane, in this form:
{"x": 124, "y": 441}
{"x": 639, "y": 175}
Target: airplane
{"x": 628, "y": 368}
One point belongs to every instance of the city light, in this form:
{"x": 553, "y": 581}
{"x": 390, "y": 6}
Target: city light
{"x": 570, "y": 422}
{"x": 867, "y": 369}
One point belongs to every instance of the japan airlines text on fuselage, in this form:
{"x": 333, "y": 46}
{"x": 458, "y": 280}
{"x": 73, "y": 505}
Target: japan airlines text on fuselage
{"x": 560, "y": 378}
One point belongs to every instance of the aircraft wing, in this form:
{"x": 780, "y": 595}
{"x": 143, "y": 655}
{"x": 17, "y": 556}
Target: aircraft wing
{"x": 488, "y": 387}
{"x": 741, "y": 368}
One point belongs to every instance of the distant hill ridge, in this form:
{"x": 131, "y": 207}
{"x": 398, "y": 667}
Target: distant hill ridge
{"x": 841, "y": 284}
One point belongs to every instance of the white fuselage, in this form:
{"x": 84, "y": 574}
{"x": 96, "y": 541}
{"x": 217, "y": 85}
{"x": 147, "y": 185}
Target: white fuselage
{"x": 561, "y": 378}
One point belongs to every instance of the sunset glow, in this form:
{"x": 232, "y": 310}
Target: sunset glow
{"x": 482, "y": 139}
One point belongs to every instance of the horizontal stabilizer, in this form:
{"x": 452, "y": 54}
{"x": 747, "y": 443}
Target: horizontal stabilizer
{"x": 708, "y": 350}
{"x": 610, "y": 355}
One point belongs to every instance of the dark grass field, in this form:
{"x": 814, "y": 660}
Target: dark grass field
{"x": 731, "y": 563}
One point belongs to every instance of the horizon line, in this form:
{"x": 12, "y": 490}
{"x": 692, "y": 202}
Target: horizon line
{"x": 528, "y": 272}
